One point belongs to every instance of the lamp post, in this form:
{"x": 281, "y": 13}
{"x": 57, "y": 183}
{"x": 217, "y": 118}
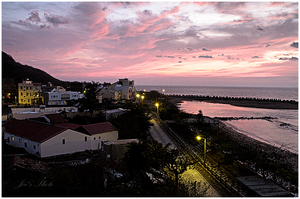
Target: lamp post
{"x": 199, "y": 138}
{"x": 157, "y": 104}
{"x": 142, "y": 99}
{"x": 138, "y": 96}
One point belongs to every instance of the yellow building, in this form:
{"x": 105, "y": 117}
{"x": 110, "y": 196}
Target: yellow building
{"x": 30, "y": 93}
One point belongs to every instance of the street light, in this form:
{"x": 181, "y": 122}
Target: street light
{"x": 142, "y": 99}
{"x": 199, "y": 138}
{"x": 157, "y": 104}
{"x": 138, "y": 96}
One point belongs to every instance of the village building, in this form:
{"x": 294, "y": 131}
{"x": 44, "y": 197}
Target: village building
{"x": 125, "y": 86}
{"x": 48, "y": 139}
{"x": 59, "y": 96}
{"x": 29, "y": 93}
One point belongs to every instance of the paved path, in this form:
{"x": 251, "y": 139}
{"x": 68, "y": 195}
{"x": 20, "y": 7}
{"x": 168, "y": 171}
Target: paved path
{"x": 159, "y": 135}
{"x": 191, "y": 175}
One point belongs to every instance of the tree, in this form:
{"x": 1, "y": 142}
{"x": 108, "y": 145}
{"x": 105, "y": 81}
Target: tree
{"x": 177, "y": 164}
{"x": 90, "y": 100}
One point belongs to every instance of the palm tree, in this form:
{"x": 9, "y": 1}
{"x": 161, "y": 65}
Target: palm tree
{"x": 90, "y": 100}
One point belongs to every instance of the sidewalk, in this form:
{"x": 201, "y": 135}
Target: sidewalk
{"x": 159, "y": 135}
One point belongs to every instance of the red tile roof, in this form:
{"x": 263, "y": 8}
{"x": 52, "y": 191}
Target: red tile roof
{"x": 56, "y": 118}
{"x": 69, "y": 125}
{"x": 92, "y": 129}
{"x": 34, "y": 131}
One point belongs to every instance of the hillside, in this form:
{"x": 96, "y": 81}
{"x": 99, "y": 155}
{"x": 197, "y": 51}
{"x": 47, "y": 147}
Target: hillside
{"x": 19, "y": 72}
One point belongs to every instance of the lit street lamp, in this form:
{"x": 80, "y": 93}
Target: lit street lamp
{"x": 138, "y": 96}
{"x": 157, "y": 104}
{"x": 142, "y": 99}
{"x": 199, "y": 138}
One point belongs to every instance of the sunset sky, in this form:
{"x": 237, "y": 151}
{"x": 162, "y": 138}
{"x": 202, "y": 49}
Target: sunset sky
{"x": 157, "y": 43}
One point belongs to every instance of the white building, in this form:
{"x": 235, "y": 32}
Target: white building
{"x": 45, "y": 140}
{"x": 59, "y": 96}
{"x": 125, "y": 86}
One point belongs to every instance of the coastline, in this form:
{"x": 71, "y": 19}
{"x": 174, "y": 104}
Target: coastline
{"x": 252, "y": 103}
{"x": 255, "y": 144}
{"x": 246, "y": 140}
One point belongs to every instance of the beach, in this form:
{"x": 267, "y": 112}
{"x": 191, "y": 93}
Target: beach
{"x": 244, "y": 139}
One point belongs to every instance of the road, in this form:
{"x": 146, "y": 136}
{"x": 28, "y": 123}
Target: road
{"x": 191, "y": 175}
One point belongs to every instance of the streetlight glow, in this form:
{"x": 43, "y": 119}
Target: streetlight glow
{"x": 157, "y": 104}
{"x": 198, "y": 137}
{"x": 142, "y": 99}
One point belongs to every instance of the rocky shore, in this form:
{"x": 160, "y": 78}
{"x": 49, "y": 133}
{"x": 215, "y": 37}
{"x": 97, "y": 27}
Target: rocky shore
{"x": 254, "y": 144}
{"x": 245, "y": 140}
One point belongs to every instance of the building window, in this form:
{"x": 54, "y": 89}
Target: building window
{"x": 63, "y": 141}
{"x": 99, "y": 137}
{"x": 25, "y": 144}
{"x": 94, "y": 138}
{"x": 21, "y": 94}
{"x": 33, "y": 146}
{"x": 12, "y": 138}
{"x": 19, "y": 140}
{"x": 8, "y": 140}
{"x": 85, "y": 138}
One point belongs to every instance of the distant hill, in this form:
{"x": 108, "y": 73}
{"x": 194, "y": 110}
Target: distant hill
{"x": 19, "y": 72}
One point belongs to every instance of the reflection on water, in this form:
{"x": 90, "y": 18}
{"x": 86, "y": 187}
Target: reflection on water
{"x": 282, "y": 131}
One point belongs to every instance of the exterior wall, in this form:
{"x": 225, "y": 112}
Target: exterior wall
{"x": 110, "y": 94}
{"x": 16, "y": 141}
{"x": 74, "y": 142}
{"x": 97, "y": 139}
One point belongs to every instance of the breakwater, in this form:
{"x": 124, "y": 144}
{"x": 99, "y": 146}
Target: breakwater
{"x": 242, "y": 101}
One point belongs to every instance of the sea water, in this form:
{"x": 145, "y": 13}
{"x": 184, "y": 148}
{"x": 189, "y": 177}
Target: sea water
{"x": 280, "y": 132}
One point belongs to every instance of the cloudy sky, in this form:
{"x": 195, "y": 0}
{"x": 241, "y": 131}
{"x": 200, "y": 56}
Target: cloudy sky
{"x": 157, "y": 43}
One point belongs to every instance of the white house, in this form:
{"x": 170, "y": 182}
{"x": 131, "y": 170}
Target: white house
{"x": 98, "y": 133}
{"x": 125, "y": 86}
{"x": 59, "y": 96}
{"x": 45, "y": 140}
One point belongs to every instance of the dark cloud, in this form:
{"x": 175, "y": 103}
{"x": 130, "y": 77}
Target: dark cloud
{"x": 55, "y": 20}
{"x": 287, "y": 58}
{"x": 179, "y": 61}
{"x": 205, "y": 49}
{"x": 268, "y": 45}
{"x": 229, "y": 57}
{"x": 34, "y": 17}
{"x": 294, "y": 44}
{"x": 189, "y": 48}
{"x": 255, "y": 57}
{"x": 170, "y": 56}
{"x": 205, "y": 56}
{"x": 159, "y": 56}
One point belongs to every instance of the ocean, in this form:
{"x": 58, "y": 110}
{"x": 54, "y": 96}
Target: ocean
{"x": 280, "y": 132}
